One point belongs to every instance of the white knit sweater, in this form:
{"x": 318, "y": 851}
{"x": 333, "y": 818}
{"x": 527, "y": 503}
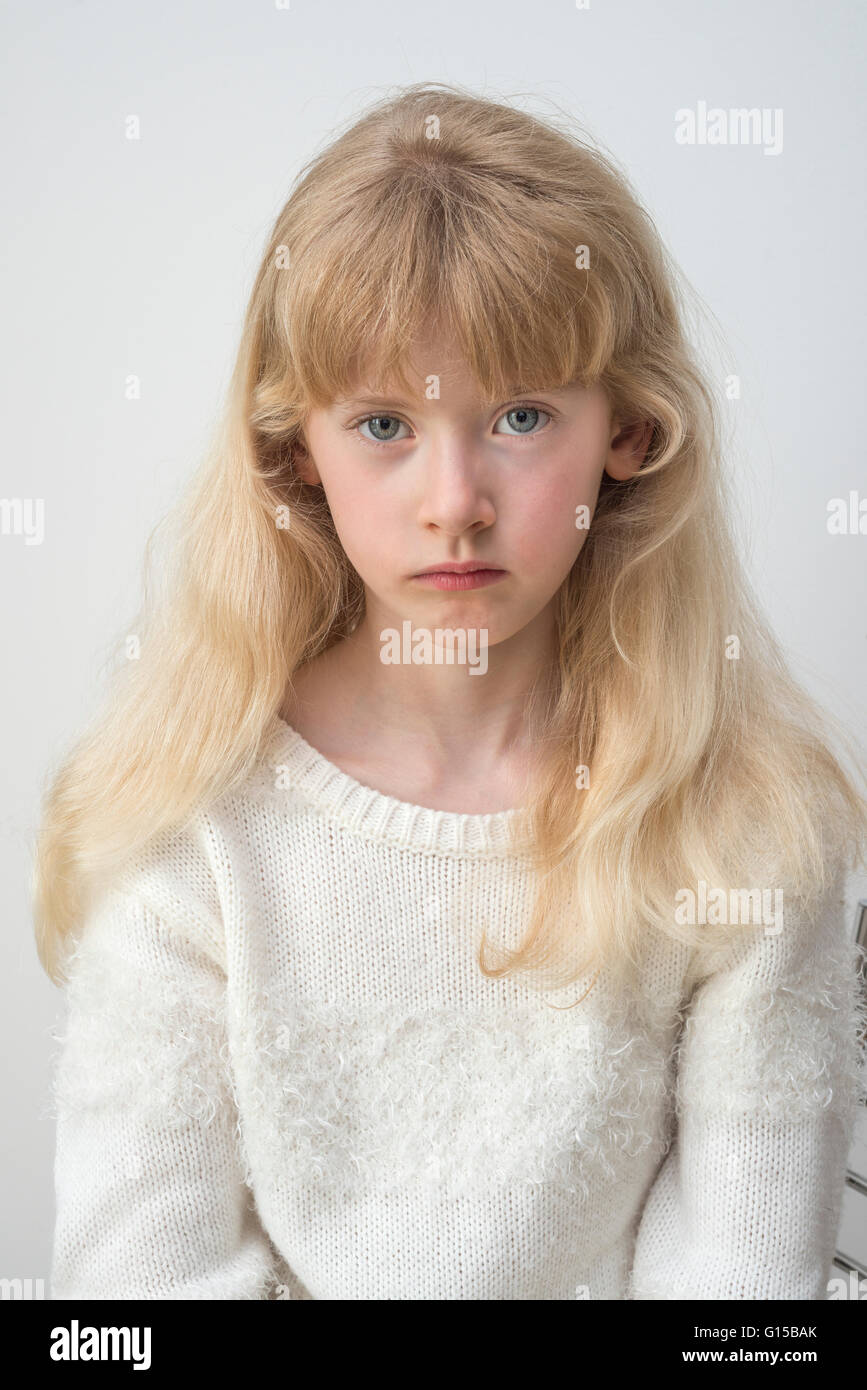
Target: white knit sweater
{"x": 283, "y": 1076}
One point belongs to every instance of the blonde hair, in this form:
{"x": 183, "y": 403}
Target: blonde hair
{"x": 438, "y": 205}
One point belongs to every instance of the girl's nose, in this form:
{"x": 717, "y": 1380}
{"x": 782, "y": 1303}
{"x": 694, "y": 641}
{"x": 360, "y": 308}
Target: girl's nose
{"x": 456, "y": 494}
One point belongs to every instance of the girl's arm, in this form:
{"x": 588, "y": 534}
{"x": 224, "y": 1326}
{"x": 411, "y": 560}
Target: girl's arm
{"x": 747, "y": 1201}
{"x": 149, "y": 1178}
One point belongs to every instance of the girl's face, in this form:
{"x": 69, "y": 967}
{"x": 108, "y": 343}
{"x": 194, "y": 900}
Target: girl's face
{"x": 415, "y": 483}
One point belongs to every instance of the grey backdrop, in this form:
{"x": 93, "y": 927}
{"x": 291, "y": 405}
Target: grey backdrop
{"x": 136, "y": 257}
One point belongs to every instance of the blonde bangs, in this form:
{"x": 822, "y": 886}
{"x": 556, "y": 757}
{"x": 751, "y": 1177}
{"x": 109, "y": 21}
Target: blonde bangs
{"x": 364, "y": 266}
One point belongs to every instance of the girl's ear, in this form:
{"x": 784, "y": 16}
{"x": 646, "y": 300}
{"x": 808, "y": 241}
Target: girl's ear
{"x": 303, "y": 464}
{"x": 628, "y": 448}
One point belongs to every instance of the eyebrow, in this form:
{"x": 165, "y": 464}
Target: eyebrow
{"x": 400, "y": 400}
{"x": 370, "y": 400}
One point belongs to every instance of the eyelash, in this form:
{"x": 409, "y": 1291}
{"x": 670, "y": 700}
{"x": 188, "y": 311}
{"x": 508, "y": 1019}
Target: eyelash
{"x": 390, "y": 414}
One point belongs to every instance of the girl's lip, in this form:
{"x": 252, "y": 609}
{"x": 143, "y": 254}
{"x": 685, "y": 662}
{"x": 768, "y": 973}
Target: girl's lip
{"x": 459, "y": 567}
{"x": 470, "y": 579}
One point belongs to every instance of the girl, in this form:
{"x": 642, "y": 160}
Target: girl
{"x": 449, "y": 898}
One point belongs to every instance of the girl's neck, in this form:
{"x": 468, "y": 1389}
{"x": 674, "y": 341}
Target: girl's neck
{"x": 434, "y": 736}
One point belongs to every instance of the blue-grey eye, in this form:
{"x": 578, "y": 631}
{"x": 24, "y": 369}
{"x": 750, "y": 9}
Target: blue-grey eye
{"x": 388, "y": 424}
{"x": 522, "y": 419}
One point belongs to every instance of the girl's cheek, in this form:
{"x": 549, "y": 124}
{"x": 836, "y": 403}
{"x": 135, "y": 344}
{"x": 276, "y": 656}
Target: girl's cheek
{"x": 549, "y": 513}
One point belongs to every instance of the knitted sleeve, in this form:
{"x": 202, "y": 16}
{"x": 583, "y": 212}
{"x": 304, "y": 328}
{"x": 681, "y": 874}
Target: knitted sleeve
{"x": 151, "y": 1198}
{"x": 746, "y": 1203}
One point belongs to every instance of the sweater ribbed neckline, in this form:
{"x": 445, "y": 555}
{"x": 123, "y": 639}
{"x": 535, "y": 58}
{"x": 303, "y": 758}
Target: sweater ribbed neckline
{"x": 378, "y": 816}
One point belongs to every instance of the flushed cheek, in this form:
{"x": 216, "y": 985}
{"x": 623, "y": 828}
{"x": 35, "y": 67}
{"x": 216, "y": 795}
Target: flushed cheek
{"x": 377, "y": 547}
{"x": 546, "y": 537}
{"x": 364, "y": 524}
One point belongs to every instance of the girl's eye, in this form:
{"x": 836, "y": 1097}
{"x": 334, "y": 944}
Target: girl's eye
{"x": 385, "y": 427}
{"x": 523, "y": 418}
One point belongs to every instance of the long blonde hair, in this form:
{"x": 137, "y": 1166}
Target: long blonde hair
{"x": 440, "y": 205}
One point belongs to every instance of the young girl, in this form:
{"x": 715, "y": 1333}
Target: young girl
{"x": 449, "y": 900}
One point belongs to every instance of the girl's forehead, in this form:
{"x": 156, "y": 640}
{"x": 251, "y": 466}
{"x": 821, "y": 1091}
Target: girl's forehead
{"x": 429, "y": 359}
{"x": 428, "y": 372}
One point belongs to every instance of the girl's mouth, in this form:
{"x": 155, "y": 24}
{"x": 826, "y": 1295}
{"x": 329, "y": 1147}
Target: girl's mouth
{"x": 449, "y": 579}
